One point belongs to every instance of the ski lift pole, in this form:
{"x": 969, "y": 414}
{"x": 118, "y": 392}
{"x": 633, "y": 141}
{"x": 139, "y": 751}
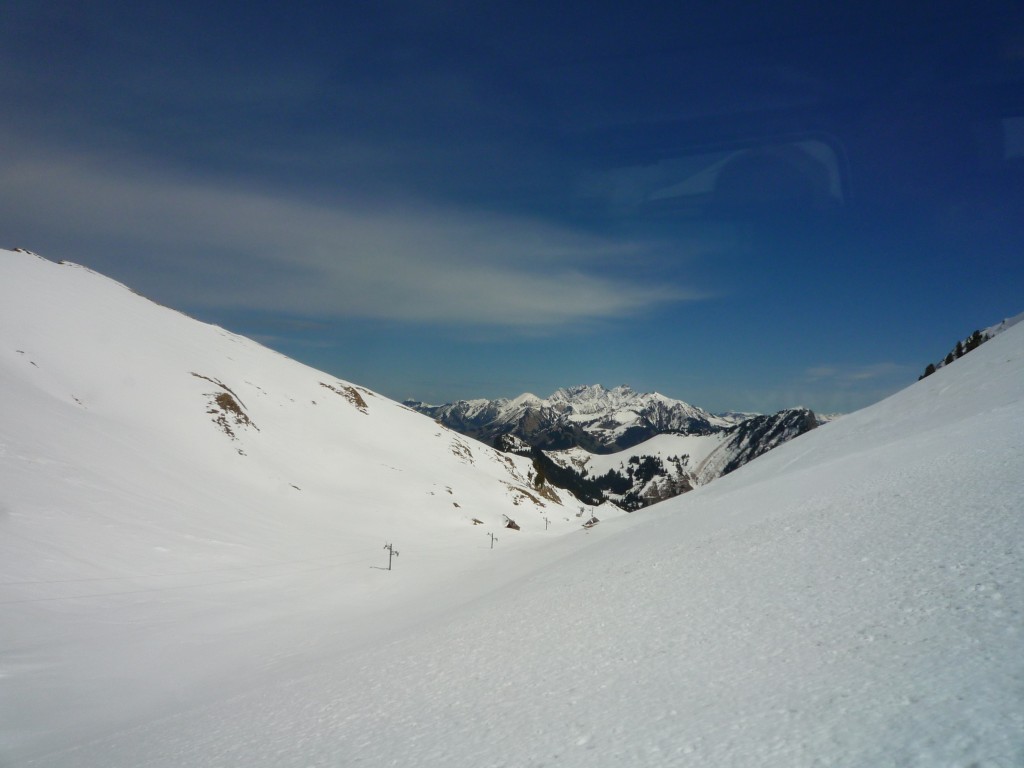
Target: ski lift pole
{"x": 392, "y": 552}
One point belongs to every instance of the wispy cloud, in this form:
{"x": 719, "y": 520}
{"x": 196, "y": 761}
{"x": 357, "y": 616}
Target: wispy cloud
{"x": 825, "y": 388}
{"x": 853, "y": 374}
{"x": 213, "y": 244}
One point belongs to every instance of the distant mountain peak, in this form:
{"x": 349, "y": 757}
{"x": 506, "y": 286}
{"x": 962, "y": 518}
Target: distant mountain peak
{"x": 589, "y": 416}
{"x": 593, "y": 390}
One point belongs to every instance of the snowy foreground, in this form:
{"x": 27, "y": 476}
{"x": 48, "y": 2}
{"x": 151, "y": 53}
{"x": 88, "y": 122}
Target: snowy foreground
{"x": 854, "y": 598}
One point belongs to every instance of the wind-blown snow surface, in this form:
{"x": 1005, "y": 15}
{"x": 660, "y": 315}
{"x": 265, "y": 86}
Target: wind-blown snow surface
{"x": 855, "y": 598}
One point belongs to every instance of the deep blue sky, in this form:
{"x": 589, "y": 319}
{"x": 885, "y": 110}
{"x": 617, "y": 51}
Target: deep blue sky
{"x": 746, "y": 207}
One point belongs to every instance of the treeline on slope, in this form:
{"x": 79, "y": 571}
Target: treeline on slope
{"x": 971, "y": 343}
{"x": 626, "y": 485}
{"x": 755, "y": 437}
{"x": 583, "y": 488}
{"x": 646, "y": 479}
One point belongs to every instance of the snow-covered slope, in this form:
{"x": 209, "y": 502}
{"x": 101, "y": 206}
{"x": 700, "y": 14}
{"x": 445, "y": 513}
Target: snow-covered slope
{"x": 145, "y": 456}
{"x": 97, "y": 377}
{"x": 1003, "y": 325}
{"x": 852, "y": 598}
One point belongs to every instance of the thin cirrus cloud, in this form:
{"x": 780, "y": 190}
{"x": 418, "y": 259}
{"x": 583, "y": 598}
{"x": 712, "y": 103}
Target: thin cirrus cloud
{"x": 211, "y": 244}
{"x": 851, "y": 374}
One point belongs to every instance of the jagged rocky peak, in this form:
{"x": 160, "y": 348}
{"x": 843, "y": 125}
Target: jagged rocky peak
{"x": 525, "y": 400}
{"x": 590, "y": 416}
{"x": 590, "y": 392}
{"x": 590, "y": 397}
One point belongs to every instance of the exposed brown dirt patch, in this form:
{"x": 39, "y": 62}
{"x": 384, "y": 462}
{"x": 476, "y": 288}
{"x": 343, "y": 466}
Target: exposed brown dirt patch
{"x": 227, "y": 409}
{"x": 350, "y": 393}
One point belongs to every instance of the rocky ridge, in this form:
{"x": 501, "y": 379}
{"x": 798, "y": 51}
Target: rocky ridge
{"x": 592, "y": 417}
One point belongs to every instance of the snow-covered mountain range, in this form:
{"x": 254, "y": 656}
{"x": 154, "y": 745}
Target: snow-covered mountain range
{"x": 617, "y": 444}
{"x": 592, "y": 417}
{"x": 192, "y": 571}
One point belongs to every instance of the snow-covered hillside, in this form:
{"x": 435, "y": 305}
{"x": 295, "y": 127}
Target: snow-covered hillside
{"x": 852, "y": 598}
{"x": 145, "y": 457}
{"x": 97, "y": 377}
{"x": 670, "y": 464}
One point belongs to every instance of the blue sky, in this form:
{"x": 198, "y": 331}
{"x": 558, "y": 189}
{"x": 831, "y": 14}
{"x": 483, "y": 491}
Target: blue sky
{"x": 742, "y": 207}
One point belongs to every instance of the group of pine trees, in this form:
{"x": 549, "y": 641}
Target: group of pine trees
{"x": 974, "y": 341}
{"x": 632, "y": 483}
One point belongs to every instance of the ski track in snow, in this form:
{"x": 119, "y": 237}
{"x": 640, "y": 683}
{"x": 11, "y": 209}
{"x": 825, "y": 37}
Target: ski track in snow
{"x": 853, "y": 598}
